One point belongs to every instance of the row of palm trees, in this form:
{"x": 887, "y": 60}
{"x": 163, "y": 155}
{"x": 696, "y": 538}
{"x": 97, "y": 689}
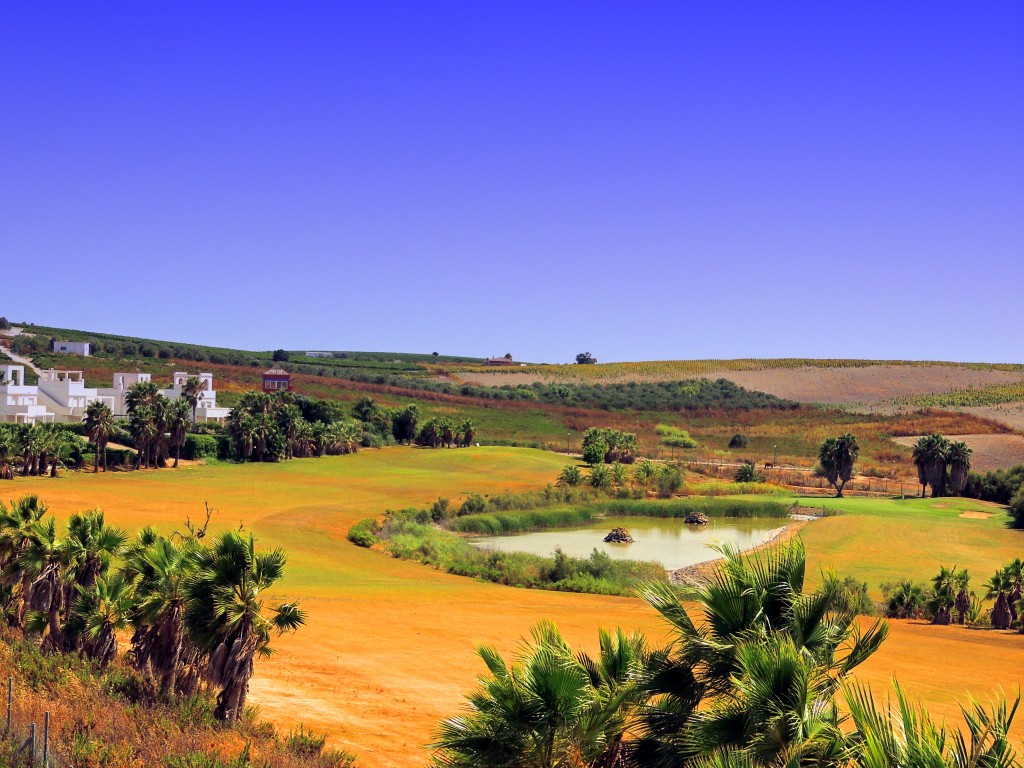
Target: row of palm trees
{"x": 443, "y": 432}
{"x": 195, "y": 609}
{"x": 950, "y": 598}
{"x": 607, "y": 477}
{"x": 752, "y": 677}
{"x": 34, "y": 449}
{"x": 941, "y": 464}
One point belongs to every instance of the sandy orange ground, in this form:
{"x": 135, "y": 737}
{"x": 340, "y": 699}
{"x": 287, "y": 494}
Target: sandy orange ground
{"x": 389, "y": 647}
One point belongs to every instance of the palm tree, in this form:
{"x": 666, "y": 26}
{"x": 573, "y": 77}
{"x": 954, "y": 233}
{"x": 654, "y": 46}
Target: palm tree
{"x": 959, "y": 458}
{"x": 756, "y": 627}
{"x": 550, "y": 708}
{"x": 904, "y": 601}
{"x": 930, "y": 457}
{"x": 224, "y": 614}
{"x": 16, "y": 531}
{"x": 97, "y": 615}
{"x": 91, "y": 546}
{"x": 160, "y": 644}
{"x": 949, "y": 591}
{"x": 44, "y": 560}
{"x": 289, "y": 417}
{"x": 996, "y": 589}
{"x": 100, "y": 427}
{"x": 177, "y": 423}
{"x": 466, "y": 433}
{"x": 10, "y": 450}
{"x": 1014, "y": 576}
{"x": 837, "y": 457}
{"x": 192, "y": 393}
{"x": 906, "y": 735}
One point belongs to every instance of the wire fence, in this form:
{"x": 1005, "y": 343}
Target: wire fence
{"x": 27, "y": 734}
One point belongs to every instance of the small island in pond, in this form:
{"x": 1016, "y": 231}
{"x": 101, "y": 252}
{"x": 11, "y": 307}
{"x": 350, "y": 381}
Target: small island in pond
{"x": 619, "y": 536}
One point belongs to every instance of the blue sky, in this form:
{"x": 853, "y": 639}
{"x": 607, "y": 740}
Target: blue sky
{"x": 639, "y": 180}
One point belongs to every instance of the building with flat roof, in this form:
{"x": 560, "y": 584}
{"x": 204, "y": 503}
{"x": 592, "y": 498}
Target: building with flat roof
{"x": 72, "y": 347}
{"x": 19, "y": 403}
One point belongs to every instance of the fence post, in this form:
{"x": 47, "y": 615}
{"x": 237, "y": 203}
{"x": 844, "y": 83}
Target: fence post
{"x": 10, "y": 700}
{"x": 46, "y": 740}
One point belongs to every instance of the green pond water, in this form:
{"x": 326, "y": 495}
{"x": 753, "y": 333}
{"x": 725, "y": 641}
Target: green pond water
{"x": 670, "y": 542}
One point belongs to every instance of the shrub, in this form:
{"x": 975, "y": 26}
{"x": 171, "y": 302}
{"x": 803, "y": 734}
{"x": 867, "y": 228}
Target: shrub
{"x": 747, "y": 473}
{"x": 439, "y": 510}
{"x": 200, "y": 447}
{"x": 904, "y": 600}
{"x": 474, "y": 505}
{"x": 669, "y": 481}
{"x": 570, "y": 476}
{"x": 1016, "y": 508}
{"x": 674, "y": 436}
{"x": 739, "y": 441}
{"x": 364, "y": 533}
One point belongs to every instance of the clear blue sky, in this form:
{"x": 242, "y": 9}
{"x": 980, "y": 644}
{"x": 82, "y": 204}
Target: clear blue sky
{"x": 638, "y": 180}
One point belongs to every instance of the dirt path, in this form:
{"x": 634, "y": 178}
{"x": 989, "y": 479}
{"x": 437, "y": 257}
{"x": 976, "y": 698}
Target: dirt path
{"x": 20, "y": 360}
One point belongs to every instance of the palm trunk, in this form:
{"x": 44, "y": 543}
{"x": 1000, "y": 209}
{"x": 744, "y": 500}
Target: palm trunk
{"x": 177, "y": 454}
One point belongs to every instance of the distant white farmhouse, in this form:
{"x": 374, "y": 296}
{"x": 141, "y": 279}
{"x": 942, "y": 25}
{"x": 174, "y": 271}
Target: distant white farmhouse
{"x": 19, "y": 403}
{"x": 72, "y": 347}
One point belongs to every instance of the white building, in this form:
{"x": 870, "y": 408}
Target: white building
{"x": 206, "y": 408}
{"x": 66, "y": 394}
{"x": 72, "y": 347}
{"x": 20, "y": 403}
{"x": 122, "y": 381}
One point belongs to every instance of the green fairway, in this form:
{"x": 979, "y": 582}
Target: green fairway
{"x": 885, "y": 540}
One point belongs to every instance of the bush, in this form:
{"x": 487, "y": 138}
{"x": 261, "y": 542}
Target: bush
{"x": 1016, "y": 508}
{"x": 747, "y": 473}
{"x": 200, "y": 447}
{"x": 669, "y": 481}
{"x": 674, "y": 436}
{"x": 364, "y": 533}
{"x": 739, "y": 441}
{"x": 474, "y": 505}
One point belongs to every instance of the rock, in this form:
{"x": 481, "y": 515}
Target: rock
{"x": 619, "y": 536}
{"x": 696, "y": 518}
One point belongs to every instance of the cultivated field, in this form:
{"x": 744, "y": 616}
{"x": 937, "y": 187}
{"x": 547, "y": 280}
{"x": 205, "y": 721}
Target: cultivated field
{"x": 990, "y": 451}
{"x": 861, "y": 383}
{"x": 389, "y": 646}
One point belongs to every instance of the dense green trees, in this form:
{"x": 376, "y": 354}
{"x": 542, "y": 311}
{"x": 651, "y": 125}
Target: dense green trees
{"x": 196, "y": 610}
{"x": 837, "y": 457}
{"x": 265, "y": 427}
{"x": 608, "y": 446}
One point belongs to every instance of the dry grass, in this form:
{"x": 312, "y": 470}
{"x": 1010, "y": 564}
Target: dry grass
{"x": 389, "y": 646}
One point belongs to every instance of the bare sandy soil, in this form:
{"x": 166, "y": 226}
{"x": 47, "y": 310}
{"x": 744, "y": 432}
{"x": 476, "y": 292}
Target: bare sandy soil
{"x": 1011, "y": 414}
{"x": 868, "y": 384}
{"x": 990, "y": 451}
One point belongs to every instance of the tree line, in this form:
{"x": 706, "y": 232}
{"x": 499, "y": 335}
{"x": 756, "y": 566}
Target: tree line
{"x": 194, "y": 608}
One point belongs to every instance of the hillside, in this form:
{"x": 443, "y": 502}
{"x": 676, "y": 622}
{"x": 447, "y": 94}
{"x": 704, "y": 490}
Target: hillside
{"x": 551, "y": 405}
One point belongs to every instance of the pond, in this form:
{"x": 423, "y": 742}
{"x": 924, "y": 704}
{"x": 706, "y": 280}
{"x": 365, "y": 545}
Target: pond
{"x": 670, "y": 541}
